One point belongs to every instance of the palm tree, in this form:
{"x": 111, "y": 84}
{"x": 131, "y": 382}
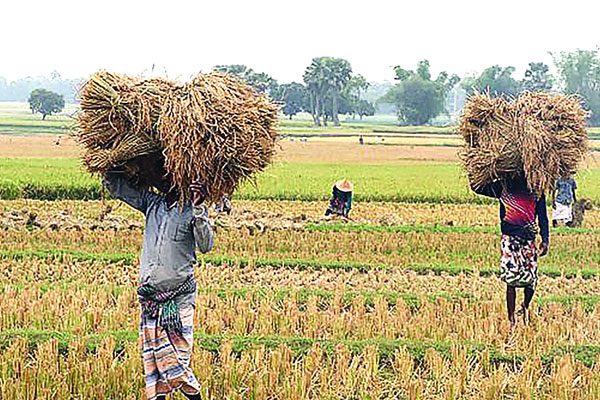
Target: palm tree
{"x": 326, "y": 76}
{"x": 338, "y": 74}
{"x": 354, "y": 87}
{"x": 315, "y": 79}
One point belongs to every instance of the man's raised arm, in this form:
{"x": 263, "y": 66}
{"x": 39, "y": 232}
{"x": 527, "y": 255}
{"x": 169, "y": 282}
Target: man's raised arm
{"x": 121, "y": 188}
{"x": 203, "y": 233}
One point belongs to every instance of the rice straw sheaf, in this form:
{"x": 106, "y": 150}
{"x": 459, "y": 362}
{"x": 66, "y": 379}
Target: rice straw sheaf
{"x": 215, "y": 129}
{"x": 541, "y": 135}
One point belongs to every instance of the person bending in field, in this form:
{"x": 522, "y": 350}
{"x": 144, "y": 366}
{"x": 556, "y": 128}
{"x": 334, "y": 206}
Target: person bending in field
{"x": 341, "y": 199}
{"x": 167, "y": 289}
{"x": 519, "y": 209}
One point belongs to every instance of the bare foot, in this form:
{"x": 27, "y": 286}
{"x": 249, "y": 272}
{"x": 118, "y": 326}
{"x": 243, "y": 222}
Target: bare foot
{"x": 510, "y": 341}
{"x": 526, "y": 318}
{"x": 524, "y": 312}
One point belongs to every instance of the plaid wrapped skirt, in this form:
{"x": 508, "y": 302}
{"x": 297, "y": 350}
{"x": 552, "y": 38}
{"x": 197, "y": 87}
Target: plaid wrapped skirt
{"x": 518, "y": 265}
{"x": 167, "y": 356}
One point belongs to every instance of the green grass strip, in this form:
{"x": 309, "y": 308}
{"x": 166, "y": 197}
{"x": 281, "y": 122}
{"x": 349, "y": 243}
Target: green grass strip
{"x": 298, "y": 345}
{"x": 301, "y": 296}
{"x": 588, "y": 354}
{"x": 61, "y": 255}
{"x": 436, "y": 228}
{"x": 10, "y": 190}
{"x": 413, "y": 300}
{"x": 589, "y": 302}
{"x": 405, "y": 181}
{"x": 301, "y": 264}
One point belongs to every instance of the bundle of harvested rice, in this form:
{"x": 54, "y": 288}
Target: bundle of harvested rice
{"x": 214, "y": 129}
{"x": 540, "y": 135}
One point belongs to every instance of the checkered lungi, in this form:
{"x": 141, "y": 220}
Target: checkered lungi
{"x": 167, "y": 356}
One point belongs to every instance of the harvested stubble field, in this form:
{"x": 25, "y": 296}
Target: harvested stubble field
{"x": 292, "y": 150}
{"x": 403, "y": 302}
{"x": 415, "y": 236}
{"x": 421, "y": 333}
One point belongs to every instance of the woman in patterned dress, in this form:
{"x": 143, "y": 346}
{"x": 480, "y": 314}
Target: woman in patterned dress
{"x": 519, "y": 209}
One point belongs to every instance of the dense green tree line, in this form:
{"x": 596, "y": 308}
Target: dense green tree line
{"x": 330, "y": 87}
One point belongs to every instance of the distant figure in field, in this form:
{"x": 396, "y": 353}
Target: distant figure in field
{"x": 361, "y": 141}
{"x": 341, "y": 199}
{"x": 563, "y": 199}
{"x": 579, "y": 208}
{"x": 519, "y": 209}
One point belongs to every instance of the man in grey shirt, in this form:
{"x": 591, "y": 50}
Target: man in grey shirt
{"x": 167, "y": 289}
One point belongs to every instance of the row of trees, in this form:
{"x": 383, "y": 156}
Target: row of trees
{"x": 419, "y": 98}
{"x": 329, "y": 89}
{"x": 20, "y": 90}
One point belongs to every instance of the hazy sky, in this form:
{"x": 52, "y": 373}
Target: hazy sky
{"x": 281, "y": 37}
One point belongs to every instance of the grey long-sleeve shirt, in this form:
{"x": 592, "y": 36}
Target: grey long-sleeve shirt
{"x": 170, "y": 237}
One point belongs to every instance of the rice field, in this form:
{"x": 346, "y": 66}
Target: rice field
{"x": 401, "y": 302}
{"x": 401, "y": 181}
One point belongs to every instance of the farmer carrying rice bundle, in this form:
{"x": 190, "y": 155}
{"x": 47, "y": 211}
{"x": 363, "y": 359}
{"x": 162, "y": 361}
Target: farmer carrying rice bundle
{"x": 193, "y": 143}
{"x": 167, "y": 288}
{"x": 515, "y": 152}
{"x": 519, "y": 209}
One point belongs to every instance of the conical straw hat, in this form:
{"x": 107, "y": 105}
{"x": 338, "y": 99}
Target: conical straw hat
{"x": 344, "y": 185}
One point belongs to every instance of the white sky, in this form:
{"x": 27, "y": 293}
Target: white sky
{"x": 281, "y": 37}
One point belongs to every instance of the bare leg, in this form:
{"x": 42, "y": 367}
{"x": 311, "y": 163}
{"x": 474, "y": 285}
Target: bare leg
{"x": 529, "y": 292}
{"x": 511, "y": 298}
{"x": 192, "y": 396}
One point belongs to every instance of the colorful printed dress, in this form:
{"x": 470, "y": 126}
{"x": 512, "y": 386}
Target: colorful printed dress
{"x": 519, "y": 209}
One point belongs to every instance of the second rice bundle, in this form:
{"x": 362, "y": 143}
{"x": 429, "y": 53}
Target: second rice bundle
{"x": 214, "y": 129}
{"x": 540, "y": 135}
